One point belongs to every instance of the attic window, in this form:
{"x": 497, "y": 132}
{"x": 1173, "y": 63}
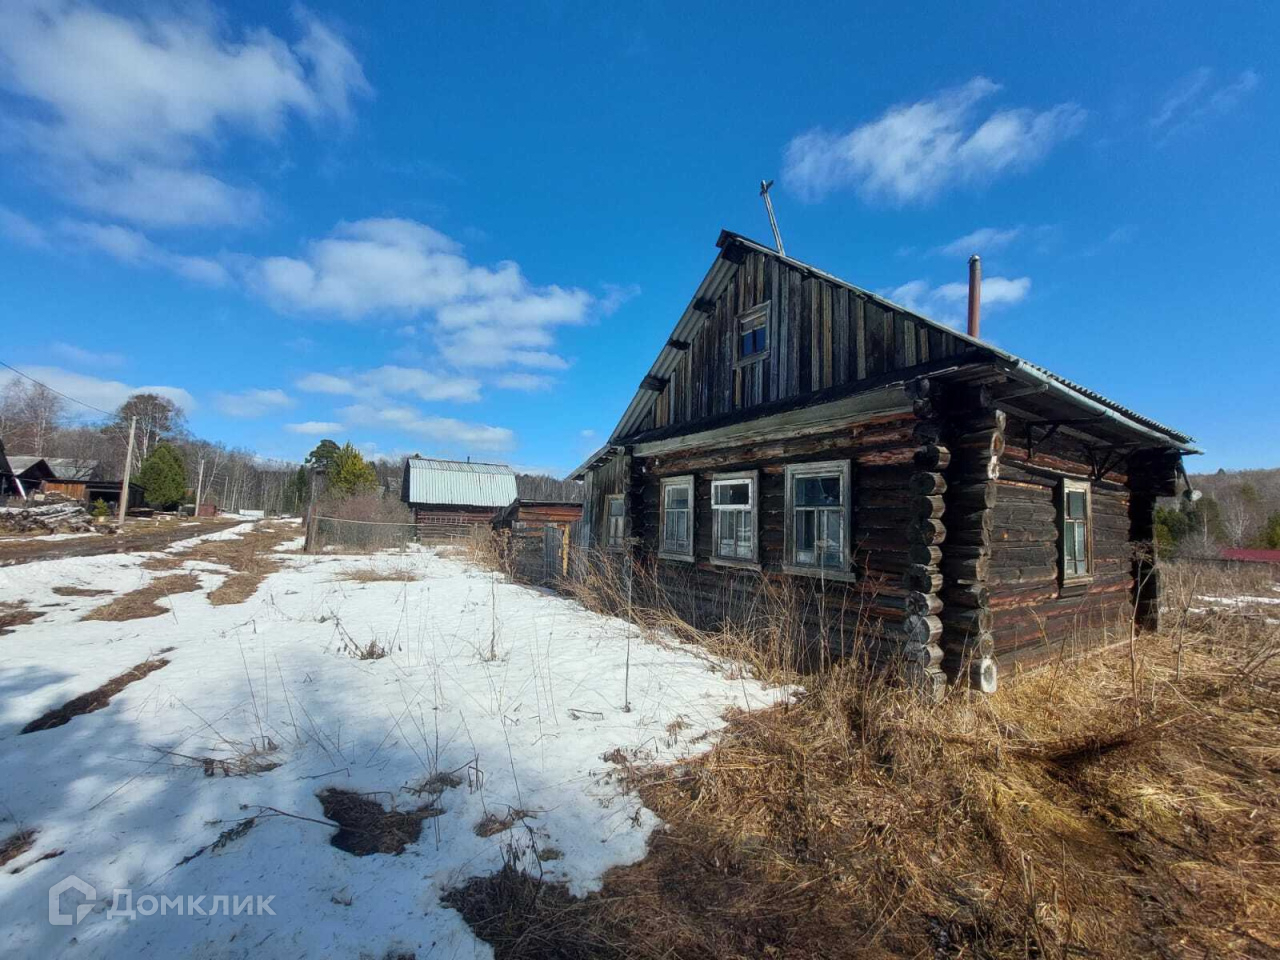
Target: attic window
{"x": 1076, "y": 532}
{"x": 753, "y": 334}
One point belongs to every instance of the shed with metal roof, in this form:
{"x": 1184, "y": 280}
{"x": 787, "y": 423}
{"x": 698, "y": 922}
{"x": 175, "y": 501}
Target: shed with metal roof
{"x": 451, "y": 497}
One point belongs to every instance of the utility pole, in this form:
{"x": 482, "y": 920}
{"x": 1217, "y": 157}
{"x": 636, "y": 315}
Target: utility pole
{"x": 128, "y": 468}
{"x": 199, "y": 486}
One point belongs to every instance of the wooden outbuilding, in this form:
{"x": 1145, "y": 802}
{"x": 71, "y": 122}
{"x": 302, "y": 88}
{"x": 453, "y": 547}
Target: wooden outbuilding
{"x": 450, "y": 498}
{"x": 538, "y": 537}
{"x": 948, "y": 505}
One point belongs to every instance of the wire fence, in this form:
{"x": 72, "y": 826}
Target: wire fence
{"x": 333, "y": 534}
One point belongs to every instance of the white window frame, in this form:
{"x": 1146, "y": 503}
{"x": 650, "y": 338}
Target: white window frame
{"x": 609, "y": 542}
{"x": 756, "y": 317}
{"x": 753, "y": 479}
{"x": 1065, "y": 526}
{"x": 797, "y": 471}
{"x": 672, "y": 483}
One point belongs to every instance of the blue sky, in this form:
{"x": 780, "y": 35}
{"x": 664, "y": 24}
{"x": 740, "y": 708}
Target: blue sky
{"x": 467, "y": 229}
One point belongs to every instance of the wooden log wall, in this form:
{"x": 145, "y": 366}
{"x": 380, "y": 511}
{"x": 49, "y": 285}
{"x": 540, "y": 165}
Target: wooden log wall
{"x": 1033, "y": 613}
{"x": 820, "y": 334}
{"x": 890, "y": 606}
{"x": 976, "y": 431}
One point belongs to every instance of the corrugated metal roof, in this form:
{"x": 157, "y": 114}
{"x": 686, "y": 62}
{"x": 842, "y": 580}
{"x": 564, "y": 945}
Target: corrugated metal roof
{"x": 459, "y": 483}
{"x": 21, "y": 464}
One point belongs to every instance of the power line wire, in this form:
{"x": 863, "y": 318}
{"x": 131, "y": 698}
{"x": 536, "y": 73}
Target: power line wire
{"x": 64, "y": 396}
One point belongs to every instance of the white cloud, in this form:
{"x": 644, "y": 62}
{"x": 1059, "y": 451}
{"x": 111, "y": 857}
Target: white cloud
{"x": 484, "y": 316}
{"x": 946, "y": 302}
{"x": 586, "y": 434}
{"x": 914, "y": 151}
{"x": 980, "y": 241}
{"x": 442, "y": 430}
{"x": 104, "y": 394}
{"x": 18, "y": 228}
{"x": 85, "y": 358}
{"x": 114, "y": 109}
{"x": 252, "y": 403}
{"x": 131, "y": 247}
{"x": 1198, "y": 98}
{"x": 313, "y": 428}
{"x": 529, "y": 382}
{"x": 391, "y": 379}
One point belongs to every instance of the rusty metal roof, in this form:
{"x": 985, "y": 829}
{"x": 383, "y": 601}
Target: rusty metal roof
{"x": 458, "y": 482}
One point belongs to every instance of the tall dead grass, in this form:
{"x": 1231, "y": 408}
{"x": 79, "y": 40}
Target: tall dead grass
{"x": 1124, "y": 803}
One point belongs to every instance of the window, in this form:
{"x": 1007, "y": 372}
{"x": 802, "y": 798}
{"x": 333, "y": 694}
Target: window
{"x": 733, "y": 517}
{"x": 1076, "y": 538}
{"x": 615, "y": 529}
{"x": 677, "y": 518}
{"x": 817, "y": 536}
{"x": 753, "y": 334}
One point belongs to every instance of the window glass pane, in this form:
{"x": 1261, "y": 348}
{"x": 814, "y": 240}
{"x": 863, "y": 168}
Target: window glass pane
{"x": 806, "y": 533}
{"x": 743, "y": 533}
{"x": 746, "y": 348}
{"x": 833, "y": 535}
{"x": 678, "y": 497}
{"x": 735, "y": 493}
{"x": 1075, "y": 504}
{"x": 1082, "y": 553}
{"x": 817, "y": 491}
{"x": 1069, "y": 543}
{"x": 615, "y": 508}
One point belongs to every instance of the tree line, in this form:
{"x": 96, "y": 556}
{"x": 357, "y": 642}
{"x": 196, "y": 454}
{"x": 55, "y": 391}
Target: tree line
{"x": 1235, "y": 509}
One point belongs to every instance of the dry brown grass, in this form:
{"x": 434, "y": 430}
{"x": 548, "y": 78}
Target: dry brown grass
{"x": 80, "y": 592}
{"x": 1098, "y": 807}
{"x": 366, "y": 827}
{"x": 15, "y": 615}
{"x": 374, "y": 575}
{"x": 94, "y": 699}
{"x": 15, "y": 845}
{"x": 249, "y": 559}
{"x": 141, "y": 603}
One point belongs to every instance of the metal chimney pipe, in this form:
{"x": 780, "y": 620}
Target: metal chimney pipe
{"x": 975, "y": 294}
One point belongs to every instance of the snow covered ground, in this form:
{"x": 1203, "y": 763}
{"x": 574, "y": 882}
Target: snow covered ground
{"x": 517, "y": 693}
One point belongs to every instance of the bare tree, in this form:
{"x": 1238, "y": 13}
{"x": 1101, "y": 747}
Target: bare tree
{"x": 159, "y": 418}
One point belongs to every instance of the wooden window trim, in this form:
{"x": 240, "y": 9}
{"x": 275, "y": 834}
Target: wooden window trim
{"x": 823, "y": 468}
{"x": 752, "y": 563}
{"x": 622, "y": 544}
{"x": 686, "y": 480}
{"x": 761, "y": 312}
{"x": 1066, "y": 487}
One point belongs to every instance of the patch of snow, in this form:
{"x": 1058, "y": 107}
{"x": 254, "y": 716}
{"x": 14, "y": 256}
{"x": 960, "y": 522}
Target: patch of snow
{"x": 297, "y": 543}
{"x": 232, "y": 533}
{"x": 519, "y": 693}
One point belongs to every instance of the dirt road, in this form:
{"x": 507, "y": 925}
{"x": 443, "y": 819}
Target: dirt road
{"x": 131, "y": 539}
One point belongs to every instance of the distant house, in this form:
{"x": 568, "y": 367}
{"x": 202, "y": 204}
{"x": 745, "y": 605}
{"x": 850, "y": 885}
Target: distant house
{"x": 452, "y": 497}
{"x": 31, "y": 472}
{"x": 8, "y": 487}
{"x": 1246, "y": 555}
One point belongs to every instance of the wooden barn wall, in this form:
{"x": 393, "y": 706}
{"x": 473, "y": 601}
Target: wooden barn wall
{"x": 448, "y": 522}
{"x": 820, "y": 335}
{"x": 879, "y": 606}
{"x": 605, "y": 480}
{"x": 1032, "y": 614}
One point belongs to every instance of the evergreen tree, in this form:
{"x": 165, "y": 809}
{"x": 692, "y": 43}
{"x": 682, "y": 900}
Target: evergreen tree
{"x": 324, "y": 457}
{"x": 1271, "y": 532}
{"x": 351, "y": 474}
{"x": 163, "y": 477}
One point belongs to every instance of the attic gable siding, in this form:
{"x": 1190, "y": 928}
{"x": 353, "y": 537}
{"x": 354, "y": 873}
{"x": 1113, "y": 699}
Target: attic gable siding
{"x": 820, "y": 335}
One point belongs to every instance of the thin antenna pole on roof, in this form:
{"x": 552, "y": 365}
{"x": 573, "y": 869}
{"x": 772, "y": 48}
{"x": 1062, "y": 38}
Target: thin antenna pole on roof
{"x": 773, "y": 221}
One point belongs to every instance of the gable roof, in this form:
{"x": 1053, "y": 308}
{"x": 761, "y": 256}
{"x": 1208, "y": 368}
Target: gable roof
{"x": 34, "y": 466}
{"x": 722, "y": 271}
{"x": 70, "y": 468}
{"x": 458, "y": 483}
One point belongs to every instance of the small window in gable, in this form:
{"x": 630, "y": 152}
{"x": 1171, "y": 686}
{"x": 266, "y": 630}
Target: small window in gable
{"x": 733, "y": 517}
{"x": 1076, "y": 533}
{"x": 818, "y": 517}
{"x": 615, "y": 530}
{"x": 677, "y": 518}
{"x": 753, "y": 334}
